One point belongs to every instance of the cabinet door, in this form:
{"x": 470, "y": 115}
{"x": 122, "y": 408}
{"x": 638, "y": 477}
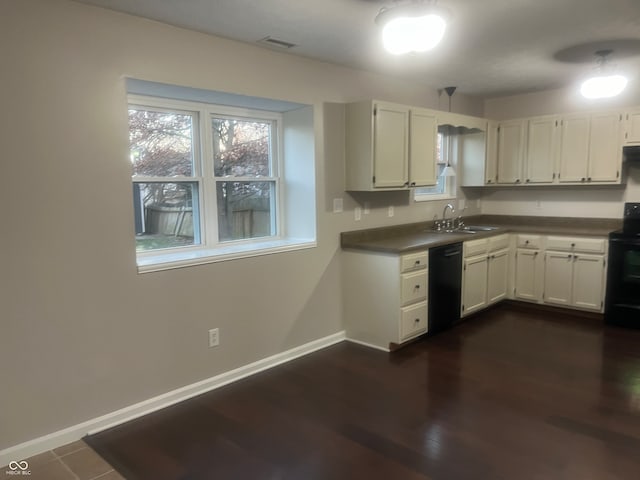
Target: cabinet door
{"x": 574, "y": 148}
{"x": 558, "y": 275}
{"x": 510, "y": 151}
{"x": 491, "y": 161}
{"x": 391, "y": 145}
{"x": 423, "y": 137}
{"x": 588, "y": 281}
{"x": 474, "y": 284}
{"x": 542, "y": 148}
{"x": 632, "y": 128}
{"x": 605, "y": 148}
{"x": 497, "y": 276}
{"x": 527, "y": 275}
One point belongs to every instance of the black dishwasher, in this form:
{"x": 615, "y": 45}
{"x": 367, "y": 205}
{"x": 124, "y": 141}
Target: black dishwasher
{"x": 445, "y": 285}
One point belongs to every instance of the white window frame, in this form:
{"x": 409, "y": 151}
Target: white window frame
{"x": 210, "y": 248}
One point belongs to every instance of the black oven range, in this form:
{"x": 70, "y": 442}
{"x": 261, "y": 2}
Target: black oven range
{"x": 622, "y": 302}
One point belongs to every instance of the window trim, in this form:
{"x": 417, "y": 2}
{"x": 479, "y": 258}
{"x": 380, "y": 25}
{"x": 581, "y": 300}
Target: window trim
{"x": 211, "y": 249}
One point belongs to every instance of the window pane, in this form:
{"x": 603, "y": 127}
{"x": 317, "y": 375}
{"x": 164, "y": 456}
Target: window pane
{"x": 161, "y": 143}
{"x": 245, "y": 210}
{"x": 164, "y": 215}
{"x": 241, "y": 148}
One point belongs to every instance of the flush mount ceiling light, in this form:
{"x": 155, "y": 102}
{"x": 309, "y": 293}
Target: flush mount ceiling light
{"x": 412, "y": 27}
{"x": 605, "y": 83}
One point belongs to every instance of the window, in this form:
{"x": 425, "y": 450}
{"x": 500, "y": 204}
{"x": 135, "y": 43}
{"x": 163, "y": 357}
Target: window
{"x": 206, "y": 179}
{"x": 445, "y": 188}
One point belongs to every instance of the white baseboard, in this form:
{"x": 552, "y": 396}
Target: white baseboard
{"x": 76, "y": 432}
{"x": 370, "y": 345}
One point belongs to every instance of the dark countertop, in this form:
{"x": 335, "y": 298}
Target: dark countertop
{"x": 420, "y": 236}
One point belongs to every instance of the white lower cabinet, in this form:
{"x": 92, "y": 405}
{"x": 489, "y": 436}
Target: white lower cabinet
{"x": 485, "y": 273}
{"x": 528, "y": 268}
{"x": 575, "y": 272}
{"x": 385, "y": 302}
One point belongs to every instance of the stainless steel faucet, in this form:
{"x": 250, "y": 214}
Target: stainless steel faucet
{"x": 448, "y": 223}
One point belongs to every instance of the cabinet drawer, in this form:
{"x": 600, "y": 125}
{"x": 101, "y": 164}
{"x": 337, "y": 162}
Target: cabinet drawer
{"x": 529, "y": 241}
{"x": 498, "y": 242}
{"x": 414, "y": 261}
{"x": 576, "y": 244}
{"x": 413, "y": 320}
{"x": 475, "y": 247}
{"x": 413, "y": 287}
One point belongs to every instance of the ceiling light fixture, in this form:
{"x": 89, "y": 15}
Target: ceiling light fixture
{"x": 412, "y": 27}
{"x": 606, "y": 82}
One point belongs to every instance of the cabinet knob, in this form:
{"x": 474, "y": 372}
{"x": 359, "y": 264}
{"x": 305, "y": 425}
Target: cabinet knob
{"x": 417, "y": 262}
{"x": 573, "y": 244}
{"x": 569, "y": 256}
{"x": 527, "y": 180}
{"x": 417, "y": 320}
{"x": 588, "y": 179}
{"x": 517, "y": 180}
{"x": 582, "y": 179}
{"x": 526, "y": 242}
{"x": 417, "y": 287}
{"x": 413, "y": 184}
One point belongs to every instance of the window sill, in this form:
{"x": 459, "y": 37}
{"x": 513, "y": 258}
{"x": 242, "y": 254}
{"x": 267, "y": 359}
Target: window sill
{"x": 156, "y": 262}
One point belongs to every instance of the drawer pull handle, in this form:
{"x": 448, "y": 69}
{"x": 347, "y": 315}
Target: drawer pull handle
{"x": 573, "y": 244}
{"x": 417, "y": 262}
{"x": 417, "y": 287}
{"x": 417, "y": 320}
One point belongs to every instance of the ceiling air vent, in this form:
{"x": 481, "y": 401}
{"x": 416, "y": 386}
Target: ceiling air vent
{"x": 274, "y": 42}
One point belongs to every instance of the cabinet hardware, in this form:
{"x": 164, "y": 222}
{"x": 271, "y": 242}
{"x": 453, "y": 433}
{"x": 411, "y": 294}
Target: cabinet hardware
{"x": 417, "y": 320}
{"x": 553, "y": 177}
{"x": 374, "y": 179}
{"x": 413, "y": 184}
{"x": 582, "y": 179}
{"x": 527, "y": 180}
{"x": 617, "y": 173}
{"x": 417, "y": 287}
{"x": 573, "y": 245}
{"x": 588, "y": 179}
{"x": 375, "y": 110}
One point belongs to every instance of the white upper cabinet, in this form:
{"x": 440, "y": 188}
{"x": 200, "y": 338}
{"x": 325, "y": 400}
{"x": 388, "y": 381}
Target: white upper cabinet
{"x": 423, "y": 137}
{"x": 632, "y": 127}
{"x": 511, "y": 137}
{"x": 574, "y": 150}
{"x": 605, "y": 147}
{"x": 389, "y": 146}
{"x": 491, "y": 162}
{"x": 542, "y": 149}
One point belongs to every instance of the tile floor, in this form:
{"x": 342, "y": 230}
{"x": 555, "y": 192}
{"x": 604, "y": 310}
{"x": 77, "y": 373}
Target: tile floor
{"x": 75, "y": 461}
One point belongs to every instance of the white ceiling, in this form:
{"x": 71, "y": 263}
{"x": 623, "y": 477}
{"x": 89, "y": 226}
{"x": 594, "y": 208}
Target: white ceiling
{"x": 491, "y": 48}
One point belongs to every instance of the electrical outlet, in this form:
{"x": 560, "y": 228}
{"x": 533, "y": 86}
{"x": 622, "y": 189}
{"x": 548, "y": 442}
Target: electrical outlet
{"x": 358, "y": 214}
{"x": 337, "y": 205}
{"x": 367, "y": 208}
{"x": 214, "y": 337}
{"x": 391, "y": 212}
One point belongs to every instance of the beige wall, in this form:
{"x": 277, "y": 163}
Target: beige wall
{"x": 605, "y": 202}
{"x": 82, "y": 333}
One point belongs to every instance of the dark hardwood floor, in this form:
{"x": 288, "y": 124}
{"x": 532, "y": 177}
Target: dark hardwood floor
{"x": 509, "y": 394}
